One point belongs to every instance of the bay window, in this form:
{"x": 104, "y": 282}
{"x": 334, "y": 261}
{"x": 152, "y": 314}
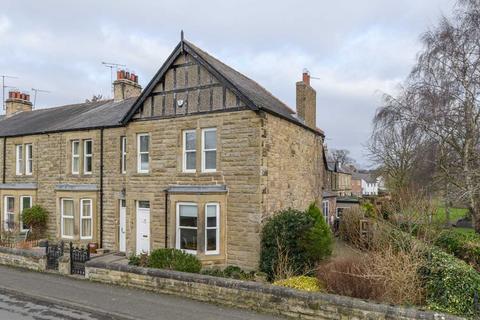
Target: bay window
{"x": 25, "y": 203}
{"x": 67, "y": 218}
{"x": 85, "y": 219}
{"x": 212, "y": 228}
{"x": 209, "y": 150}
{"x": 187, "y": 219}
{"x": 189, "y": 151}
{"x": 9, "y": 216}
{"x": 143, "y": 153}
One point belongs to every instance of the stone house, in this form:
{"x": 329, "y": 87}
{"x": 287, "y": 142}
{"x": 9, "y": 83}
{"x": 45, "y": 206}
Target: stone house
{"x": 196, "y": 161}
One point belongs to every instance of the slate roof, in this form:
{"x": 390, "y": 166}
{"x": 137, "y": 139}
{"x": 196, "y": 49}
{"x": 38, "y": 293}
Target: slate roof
{"x": 90, "y": 115}
{"x": 368, "y": 177}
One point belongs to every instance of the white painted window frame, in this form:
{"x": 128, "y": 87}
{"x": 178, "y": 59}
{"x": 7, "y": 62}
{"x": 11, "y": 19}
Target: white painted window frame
{"x": 177, "y": 226}
{"x": 139, "y": 153}
{"x": 63, "y": 216}
{"x": 87, "y": 155}
{"x": 123, "y": 163}
{"x": 19, "y": 159}
{"x": 326, "y": 209}
{"x": 6, "y": 212}
{"x": 28, "y": 159}
{"x": 185, "y": 151}
{"x": 75, "y": 156}
{"x": 21, "y": 210}
{"x": 82, "y": 217}
{"x": 217, "y": 228}
{"x": 205, "y": 150}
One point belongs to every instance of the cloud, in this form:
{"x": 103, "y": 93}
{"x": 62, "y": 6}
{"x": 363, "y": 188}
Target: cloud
{"x": 357, "y": 49}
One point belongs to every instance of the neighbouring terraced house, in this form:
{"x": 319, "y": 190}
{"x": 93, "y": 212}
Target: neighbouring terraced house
{"x": 196, "y": 161}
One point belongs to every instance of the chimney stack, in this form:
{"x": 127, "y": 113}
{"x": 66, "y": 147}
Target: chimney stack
{"x": 126, "y": 86}
{"x": 306, "y": 101}
{"x": 17, "y": 102}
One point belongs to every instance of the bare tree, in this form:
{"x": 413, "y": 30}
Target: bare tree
{"x": 444, "y": 100}
{"x": 95, "y": 98}
{"x": 342, "y": 156}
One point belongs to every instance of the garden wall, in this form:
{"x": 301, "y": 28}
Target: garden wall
{"x": 251, "y": 295}
{"x": 23, "y": 258}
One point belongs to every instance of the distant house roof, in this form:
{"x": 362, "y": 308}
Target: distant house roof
{"x": 254, "y": 95}
{"x": 367, "y": 177}
{"x": 90, "y": 115}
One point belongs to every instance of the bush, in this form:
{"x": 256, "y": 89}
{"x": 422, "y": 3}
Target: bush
{"x": 465, "y": 246}
{"x": 318, "y": 240}
{"x": 346, "y": 277}
{"x": 450, "y": 284}
{"x": 292, "y": 243}
{"x": 174, "y": 259}
{"x": 232, "y": 272}
{"x": 36, "y": 218}
{"x": 303, "y": 283}
{"x": 139, "y": 261}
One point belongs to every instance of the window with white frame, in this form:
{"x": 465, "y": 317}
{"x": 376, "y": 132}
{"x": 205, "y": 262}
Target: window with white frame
{"x": 123, "y": 163}
{"x": 187, "y": 225}
{"x": 9, "y": 213}
{"x": 326, "y": 209}
{"x": 75, "y": 157}
{"x": 143, "y": 153}
{"x": 19, "y": 159}
{"x": 28, "y": 159}
{"x": 87, "y": 156}
{"x": 25, "y": 203}
{"x": 209, "y": 150}
{"x": 212, "y": 228}
{"x": 189, "y": 151}
{"x": 86, "y": 219}
{"x": 68, "y": 218}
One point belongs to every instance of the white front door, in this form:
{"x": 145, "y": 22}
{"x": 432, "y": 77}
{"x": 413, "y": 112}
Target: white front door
{"x": 122, "y": 233}
{"x": 143, "y": 227}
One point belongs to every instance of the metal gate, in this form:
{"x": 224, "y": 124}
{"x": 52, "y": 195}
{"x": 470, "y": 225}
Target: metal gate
{"x": 53, "y": 253}
{"x": 78, "y": 258}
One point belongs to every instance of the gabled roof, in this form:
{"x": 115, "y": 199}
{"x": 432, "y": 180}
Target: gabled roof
{"x": 250, "y": 92}
{"x": 367, "y": 177}
{"x": 91, "y": 115}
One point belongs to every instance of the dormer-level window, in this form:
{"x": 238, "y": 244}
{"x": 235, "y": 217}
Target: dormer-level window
{"x": 87, "y": 156}
{"x": 19, "y": 159}
{"x": 28, "y": 159}
{"x": 209, "y": 150}
{"x": 75, "y": 157}
{"x": 143, "y": 153}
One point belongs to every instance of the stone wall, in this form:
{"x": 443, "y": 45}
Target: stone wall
{"x": 251, "y": 295}
{"x": 292, "y": 166}
{"x": 22, "y": 258}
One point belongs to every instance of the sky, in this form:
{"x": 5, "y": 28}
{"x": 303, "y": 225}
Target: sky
{"x": 356, "y": 50}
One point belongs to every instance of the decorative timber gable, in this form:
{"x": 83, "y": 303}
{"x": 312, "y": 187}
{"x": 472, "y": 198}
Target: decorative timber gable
{"x": 187, "y": 88}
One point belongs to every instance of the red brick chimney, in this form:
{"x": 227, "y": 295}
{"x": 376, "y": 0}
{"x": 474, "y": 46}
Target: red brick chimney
{"x": 126, "y": 86}
{"x": 306, "y": 101}
{"x": 17, "y": 102}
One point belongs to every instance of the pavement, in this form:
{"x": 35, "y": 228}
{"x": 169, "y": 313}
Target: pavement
{"x": 53, "y": 294}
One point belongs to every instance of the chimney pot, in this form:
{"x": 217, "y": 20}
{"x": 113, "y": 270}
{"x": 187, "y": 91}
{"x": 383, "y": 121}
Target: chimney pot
{"x": 126, "y": 85}
{"x": 306, "y": 77}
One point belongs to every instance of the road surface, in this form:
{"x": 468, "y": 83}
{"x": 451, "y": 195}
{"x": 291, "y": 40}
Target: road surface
{"x": 41, "y": 296}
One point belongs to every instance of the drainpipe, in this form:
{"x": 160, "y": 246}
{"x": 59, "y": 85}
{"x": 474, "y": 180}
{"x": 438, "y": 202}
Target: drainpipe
{"x": 166, "y": 219}
{"x": 101, "y": 188}
{"x": 4, "y": 159}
